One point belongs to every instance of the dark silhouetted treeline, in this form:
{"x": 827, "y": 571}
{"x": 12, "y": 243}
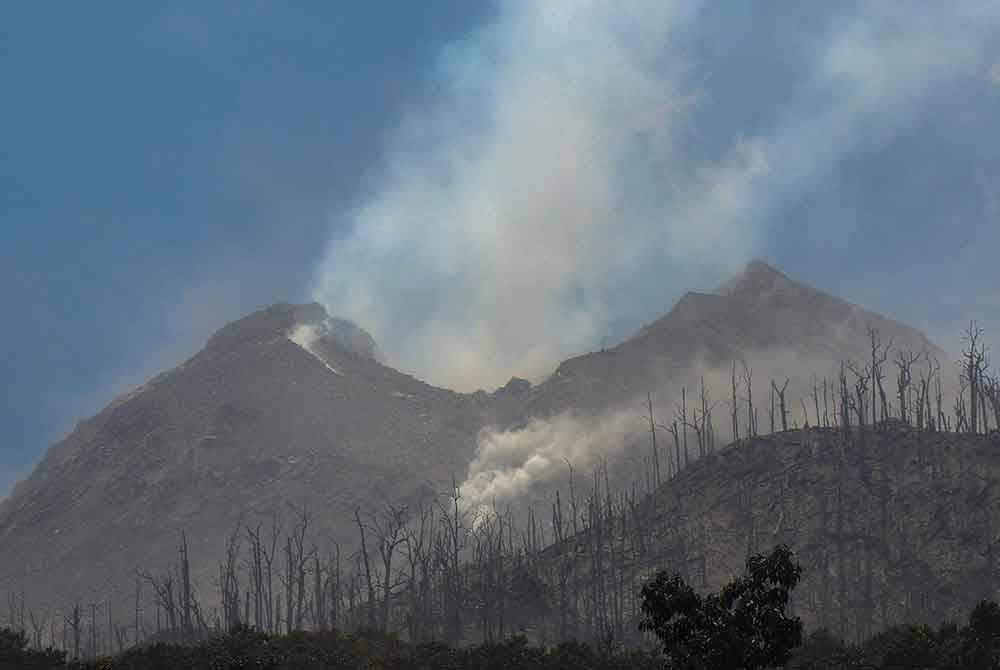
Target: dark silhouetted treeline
{"x": 973, "y": 646}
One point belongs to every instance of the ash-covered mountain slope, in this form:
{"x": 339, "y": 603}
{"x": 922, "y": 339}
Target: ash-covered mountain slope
{"x": 890, "y": 524}
{"x": 781, "y": 328}
{"x": 287, "y": 407}
{"x": 250, "y": 424}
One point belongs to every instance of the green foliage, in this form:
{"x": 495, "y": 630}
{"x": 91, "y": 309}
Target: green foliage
{"x": 736, "y": 628}
{"x": 975, "y": 646}
{"x": 370, "y": 650}
{"x": 743, "y": 626}
{"x": 14, "y": 653}
{"x": 981, "y": 639}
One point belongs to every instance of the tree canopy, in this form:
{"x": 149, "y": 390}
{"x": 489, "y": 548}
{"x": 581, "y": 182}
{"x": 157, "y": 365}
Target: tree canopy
{"x": 745, "y": 625}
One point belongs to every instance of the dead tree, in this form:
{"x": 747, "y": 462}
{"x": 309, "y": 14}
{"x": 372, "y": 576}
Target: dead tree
{"x": 229, "y": 585}
{"x": 942, "y": 420}
{"x": 681, "y": 415}
{"x": 164, "y": 592}
{"x": 771, "y": 407}
{"x": 75, "y": 623}
{"x": 677, "y": 446}
{"x": 366, "y": 564}
{"x": 735, "y": 408}
{"x": 390, "y": 532}
{"x": 489, "y": 561}
{"x": 652, "y": 437}
{"x": 297, "y": 558}
{"x": 991, "y": 391}
{"x": 826, "y": 406}
{"x": 448, "y": 550}
{"x": 861, "y": 384}
{"x": 780, "y": 393}
{"x": 572, "y": 497}
{"x": 16, "y": 606}
{"x": 37, "y": 626}
{"x": 973, "y": 365}
{"x": 320, "y": 591}
{"x": 815, "y": 397}
{"x": 186, "y": 604}
{"x": 417, "y": 541}
{"x": 959, "y": 409}
{"x": 904, "y": 381}
{"x": 138, "y": 611}
{"x": 706, "y": 417}
{"x": 747, "y": 377}
{"x": 879, "y": 355}
{"x": 845, "y": 400}
{"x": 922, "y": 407}
{"x": 261, "y": 568}
{"x": 332, "y": 588}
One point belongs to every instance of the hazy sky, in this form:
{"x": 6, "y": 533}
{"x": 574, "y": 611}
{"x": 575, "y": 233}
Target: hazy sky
{"x": 414, "y": 165}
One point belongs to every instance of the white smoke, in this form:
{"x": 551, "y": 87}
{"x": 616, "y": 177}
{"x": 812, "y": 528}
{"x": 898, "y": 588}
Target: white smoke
{"x": 548, "y": 177}
{"x": 307, "y": 336}
{"x": 510, "y": 208}
{"x": 508, "y": 463}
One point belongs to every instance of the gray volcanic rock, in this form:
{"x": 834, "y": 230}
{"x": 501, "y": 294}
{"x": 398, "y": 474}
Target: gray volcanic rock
{"x": 352, "y": 337}
{"x": 890, "y": 525}
{"x": 248, "y": 426}
{"x": 289, "y": 406}
{"x": 779, "y": 327}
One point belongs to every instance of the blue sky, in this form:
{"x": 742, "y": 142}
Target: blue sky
{"x": 164, "y": 170}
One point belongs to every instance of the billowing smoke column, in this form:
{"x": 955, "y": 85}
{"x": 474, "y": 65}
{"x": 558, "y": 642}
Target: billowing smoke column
{"x": 546, "y": 180}
{"x": 507, "y": 463}
{"x": 511, "y": 208}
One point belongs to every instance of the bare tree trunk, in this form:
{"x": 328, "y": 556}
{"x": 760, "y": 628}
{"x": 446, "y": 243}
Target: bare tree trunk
{"x": 748, "y": 383}
{"x": 736, "y": 413}
{"x": 781, "y": 401}
{"x": 652, "y": 437}
{"x": 186, "y": 627}
{"x": 369, "y": 582}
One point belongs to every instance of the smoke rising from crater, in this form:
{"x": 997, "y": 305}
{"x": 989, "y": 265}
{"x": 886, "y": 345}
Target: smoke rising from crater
{"x": 511, "y": 207}
{"x": 549, "y": 177}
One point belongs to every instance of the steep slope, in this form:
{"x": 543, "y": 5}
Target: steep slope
{"x": 289, "y": 407}
{"x": 779, "y": 327}
{"x": 890, "y": 524}
{"x": 247, "y": 426}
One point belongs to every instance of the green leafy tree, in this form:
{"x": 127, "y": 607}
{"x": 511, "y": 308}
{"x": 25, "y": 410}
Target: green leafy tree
{"x": 743, "y": 626}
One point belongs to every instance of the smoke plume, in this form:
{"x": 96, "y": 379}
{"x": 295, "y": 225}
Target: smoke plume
{"x": 551, "y": 182}
{"x": 509, "y": 462}
{"x": 515, "y": 205}
{"x": 556, "y": 180}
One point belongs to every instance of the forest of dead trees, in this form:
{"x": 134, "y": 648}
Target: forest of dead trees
{"x": 438, "y": 569}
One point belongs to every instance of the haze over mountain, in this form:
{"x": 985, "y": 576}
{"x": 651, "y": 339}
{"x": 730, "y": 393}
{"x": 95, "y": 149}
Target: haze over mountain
{"x": 276, "y": 410}
{"x": 510, "y": 183}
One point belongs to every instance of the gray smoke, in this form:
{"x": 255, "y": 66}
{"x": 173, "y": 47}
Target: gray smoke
{"x": 508, "y": 210}
{"x": 547, "y": 177}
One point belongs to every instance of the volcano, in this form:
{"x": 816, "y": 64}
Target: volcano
{"x": 292, "y": 408}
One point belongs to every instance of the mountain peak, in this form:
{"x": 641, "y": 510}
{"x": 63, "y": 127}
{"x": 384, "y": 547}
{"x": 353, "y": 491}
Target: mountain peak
{"x": 266, "y": 324}
{"x": 308, "y": 325}
{"x": 757, "y": 278}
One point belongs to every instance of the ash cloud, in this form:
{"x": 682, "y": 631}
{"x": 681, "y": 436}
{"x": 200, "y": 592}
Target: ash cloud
{"x": 548, "y": 182}
{"x": 553, "y": 182}
{"x": 511, "y": 207}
